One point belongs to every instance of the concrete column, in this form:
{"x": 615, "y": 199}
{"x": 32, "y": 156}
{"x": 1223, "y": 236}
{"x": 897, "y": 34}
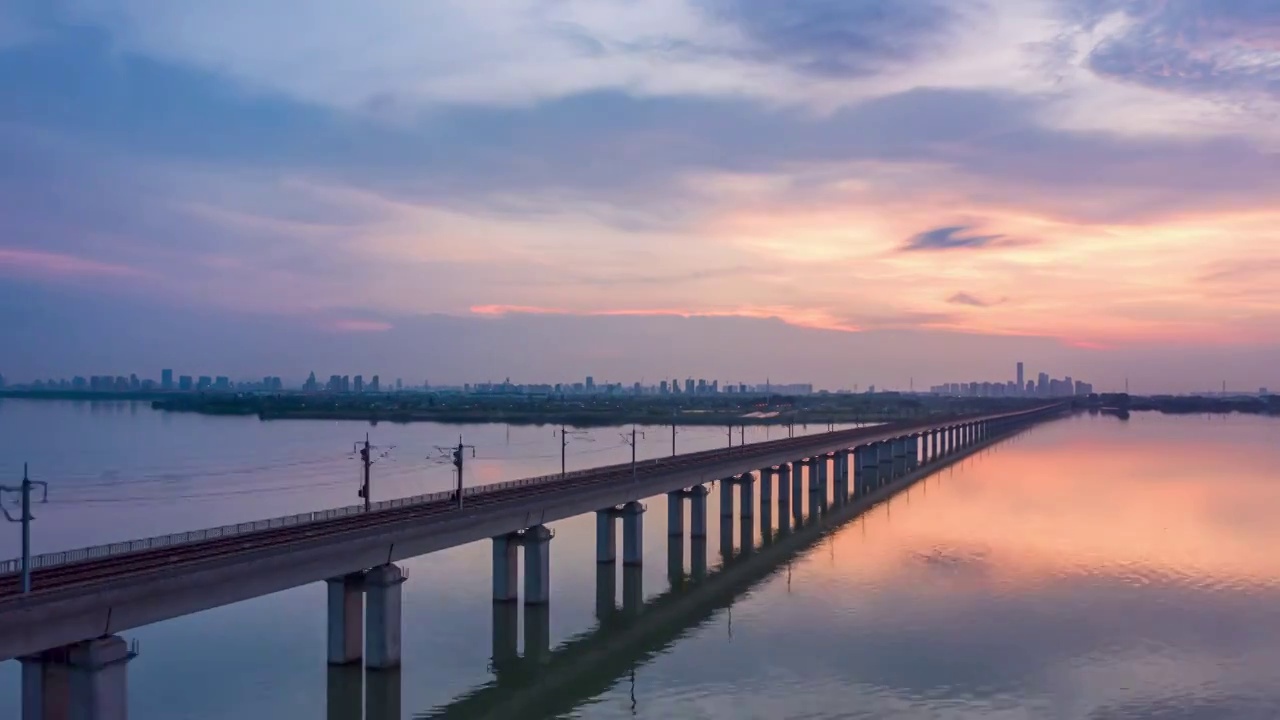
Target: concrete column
{"x": 46, "y": 686}
{"x": 698, "y": 511}
{"x": 346, "y": 619}
{"x": 913, "y": 452}
{"x": 784, "y": 488}
{"x": 766, "y": 487}
{"x": 726, "y": 540}
{"x": 382, "y": 617}
{"x": 698, "y": 557}
{"x": 632, "y": 533}
{"x": 885, "y": 453}
{"x": 537, "y": 565}
{"x": 632, "y": 590}
{"x": 506, "y": 568}
{"x": 606, "y": 536}
{"x": 747, "y": 497}
{"x": 606, "y": 590}
{"x": 506, "y": 624}
{"x": 797, "y": 486}
{"x": 868, "y": 466}
{"x": 818, "y": 480}
{"x": 766, "y": 521}
{"x": 85, "y": 681}
{"x": 675, "y": 513}
{"x": 726, "y": 498}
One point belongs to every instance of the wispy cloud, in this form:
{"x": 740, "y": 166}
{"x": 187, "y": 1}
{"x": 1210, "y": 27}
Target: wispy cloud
{"x": 956, "y": 237}
{"x": 14, "y": 261}
{"x": 964, "y": 298}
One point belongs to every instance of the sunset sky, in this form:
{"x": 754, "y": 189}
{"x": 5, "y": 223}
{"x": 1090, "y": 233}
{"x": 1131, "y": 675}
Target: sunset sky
{"x": 845, "y": 192}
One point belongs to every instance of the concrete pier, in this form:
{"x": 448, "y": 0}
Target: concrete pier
{"x": 632, "y": 590}
{"x": 818, "y": 480}
{"x": 784, "y": 488}
{"x": 506, "y": 568}
{"x": 675, "y": 513}
{"x": 86, "y": 681}
{"x": 606, "y": 536}
{"x": 726, "y": 540}
{"x": 675, "y": 561}
{"x": 382, "y": 616}
{"x": 537, "y": 565}
{"x": 632, "y": 533}
{"x": 346, "y": 619}
{"x": 766, "y": 522}
{"x": 868, "y": 466}
{"x": 797, "y": 485}
{"x": 726, "y": 499}
{"x": 766, "y": 488}
{"x": 698, "y": 511}
{"x": 747, "y": 497}
{"x": 698, "y": 558}
{"x": 885, "y": 451}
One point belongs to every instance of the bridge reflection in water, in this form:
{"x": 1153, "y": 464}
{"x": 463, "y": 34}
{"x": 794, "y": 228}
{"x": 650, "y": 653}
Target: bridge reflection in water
{"x": 541, "y": 682}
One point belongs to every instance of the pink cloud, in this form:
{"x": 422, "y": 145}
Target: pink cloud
{"x": 59, "y": 265}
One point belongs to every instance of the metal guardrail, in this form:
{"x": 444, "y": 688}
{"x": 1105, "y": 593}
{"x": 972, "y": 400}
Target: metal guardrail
{"x": 174, "y": 539}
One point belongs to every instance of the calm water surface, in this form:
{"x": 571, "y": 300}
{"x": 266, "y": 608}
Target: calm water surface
{"x": 1091, "y": 568}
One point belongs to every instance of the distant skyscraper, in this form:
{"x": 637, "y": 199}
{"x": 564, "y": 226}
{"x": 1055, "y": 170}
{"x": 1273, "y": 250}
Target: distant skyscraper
{"x": 1022, "y": 380}
{"x": 166, "y": 379}
{"x": 688, "y": 386}
{"x": 1042, "y": 385}
{"x": 359, "y": 381}
{"x": 591, "y": 384}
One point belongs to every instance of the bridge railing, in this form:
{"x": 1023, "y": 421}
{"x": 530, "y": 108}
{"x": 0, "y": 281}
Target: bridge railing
{"x": 54, "y": 559}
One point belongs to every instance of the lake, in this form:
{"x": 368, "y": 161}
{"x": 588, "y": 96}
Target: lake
{"x": 1088, "y": 568}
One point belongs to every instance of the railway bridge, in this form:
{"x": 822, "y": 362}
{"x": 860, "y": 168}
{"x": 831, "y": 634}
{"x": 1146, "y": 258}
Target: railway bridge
{"x": 65, "y": 630}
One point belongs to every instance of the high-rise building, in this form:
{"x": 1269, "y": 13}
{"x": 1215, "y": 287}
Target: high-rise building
{"x": 166, "y": 379}
{"x": 204, "y": 383}
{"x": 591, "y": 384}
{"x": 1021, "y": 377}
{"x": 688, "y": 386}
{"x": 359, "y": 383}
{"x": 185, "y": 384}
{"x": 1042, "y": 385}
{"x": 375, "y": 384}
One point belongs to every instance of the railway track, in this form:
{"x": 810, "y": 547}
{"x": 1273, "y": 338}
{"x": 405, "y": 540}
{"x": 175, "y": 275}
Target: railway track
{"x": 85, "y": 572}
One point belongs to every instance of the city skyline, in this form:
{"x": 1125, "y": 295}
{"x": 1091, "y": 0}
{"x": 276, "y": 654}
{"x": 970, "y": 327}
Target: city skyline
{"x": 736, "y": 188}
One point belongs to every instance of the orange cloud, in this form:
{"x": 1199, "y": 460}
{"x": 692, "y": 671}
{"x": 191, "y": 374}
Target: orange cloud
{"x": 800, "y": 317}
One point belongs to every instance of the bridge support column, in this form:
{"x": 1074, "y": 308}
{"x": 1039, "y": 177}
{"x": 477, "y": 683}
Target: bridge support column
{"x": 698, "y": 511}
{"x": 675, "y": 513}
{"x": 87, "y": 680}
{"x": 346, "y": 619}
{"x": 632, "y": 590}
{"x": 726, "y": 539}
{"x": 726, "y": 499}
{"x": 818, "y": 480}
{"x": 885, "y": 453}
{"x": 698, "y": 557}
{"x": 868, "y": 463}
{"x": 382, "y": 617}
{"x": 606, "y": 536}
{"x": 537, "y": 565}
{"x": 506, "y": 568}
{"x": 746, "y": 497}
{"x": 784, "y": 489}
{"x": 797, "y": 489}
{"x": 913, "y": 452}
{"x": 842, "y": 475}
{"x": 766, "y": 488}
{"x": 675, "y": 561}
{"x": 632, "y": 533}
